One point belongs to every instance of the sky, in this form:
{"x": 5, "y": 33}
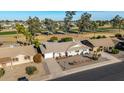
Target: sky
{"x": 57, "y": 15}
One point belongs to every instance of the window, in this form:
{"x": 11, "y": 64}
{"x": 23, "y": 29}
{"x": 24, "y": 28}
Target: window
{"x": 27, "y": 57}
{"x": 15, "y": 59}
{"x": 77, "y": 51}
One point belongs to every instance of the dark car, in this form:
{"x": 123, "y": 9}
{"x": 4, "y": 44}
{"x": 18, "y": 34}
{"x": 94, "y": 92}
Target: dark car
{"x": 120, "y": 45}
{"x": 22, "y": 79}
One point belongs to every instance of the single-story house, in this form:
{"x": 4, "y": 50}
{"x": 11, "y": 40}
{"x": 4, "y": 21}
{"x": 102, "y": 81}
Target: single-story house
{"x": 63, "y": 49}
{"x": 16, "y": 55}
{"x": 95, "y": 44}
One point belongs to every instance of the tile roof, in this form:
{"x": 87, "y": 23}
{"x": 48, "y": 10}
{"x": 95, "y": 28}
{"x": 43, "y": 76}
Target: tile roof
{"x": 60, "y": 47}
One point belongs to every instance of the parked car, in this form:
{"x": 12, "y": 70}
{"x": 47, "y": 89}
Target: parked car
{"x": 120, "y": 45}
{"x": 22, "y": 79}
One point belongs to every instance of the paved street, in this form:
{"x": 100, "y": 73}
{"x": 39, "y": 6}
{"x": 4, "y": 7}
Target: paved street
{"x": 113, "y": 72}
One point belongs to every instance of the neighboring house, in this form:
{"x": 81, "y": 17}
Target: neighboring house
{"x": 16, "y": 55}
{"x": 63, "y": 49}
{"x": 102, "y": 44}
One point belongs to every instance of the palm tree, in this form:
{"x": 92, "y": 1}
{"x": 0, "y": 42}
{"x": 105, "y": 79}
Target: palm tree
{"x": 36, "y": 43}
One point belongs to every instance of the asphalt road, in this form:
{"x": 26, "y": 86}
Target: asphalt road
{"x": 113, "y": 72}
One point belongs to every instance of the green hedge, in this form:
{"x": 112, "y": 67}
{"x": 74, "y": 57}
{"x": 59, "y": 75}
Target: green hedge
{"x": 53, "y": 39}
{"x": 66, "y": 39}
{"x": 114, "y": 51}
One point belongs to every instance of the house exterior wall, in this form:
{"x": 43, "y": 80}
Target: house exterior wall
{"x": 56, "y": 55}
{"x": 21, "y": 60}
{"x": 63, "y": 54}
{"x": 48, "y": 55}
{"x": 85, "y": 51}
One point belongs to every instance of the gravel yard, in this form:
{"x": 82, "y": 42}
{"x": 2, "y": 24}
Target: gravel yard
{"x": 13, "y": 73}
{"x": 76, "y": 61}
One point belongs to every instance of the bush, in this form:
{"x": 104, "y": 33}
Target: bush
{"x": 98, "y": 37}
{"x": 95, "y": 57}
{"x": 114, "y": 51}
{"x": 118, "y": 35}
{"x": 53, "y": 39}
{"x": 37, "y": 58}
{"x": 103, "y": 36}
{"x": 30, "y": 70}
{"x": 66, "y": 39}
{"x": 93, "y": 37}
{"x": 2, "y": 72}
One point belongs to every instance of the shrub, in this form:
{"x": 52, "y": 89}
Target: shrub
{"x": 66, "y": 39}
{"x": 2, "y": 72}
{"x": 53, "y": 39}
{"x": 98, "y": 37}
{"x": 95, "y": 57}
{"x": 118, "y": 35}
{"x": 114, "y": 51}
{"x": 37, "y": 58}
{"x": 30, "y": 70}
{"x": 93, "y": 37}
{"x": 103, "y": 36}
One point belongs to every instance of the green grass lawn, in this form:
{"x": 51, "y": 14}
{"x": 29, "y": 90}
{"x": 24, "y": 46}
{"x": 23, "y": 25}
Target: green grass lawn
{"x": 8, "y": 33}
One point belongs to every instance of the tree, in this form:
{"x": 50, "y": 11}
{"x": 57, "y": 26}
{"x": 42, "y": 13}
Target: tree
{"x": 37, "y": 58}
{"x": 1, "y": 27}
{"x": 49, "y": 23}
{"x": 34, "y": 25}
{"x": 117, "y": 22}
{"x": 94, "y": 26}
{"x": 84, "y": 23}
{"x": 67, "y": 20}
{"x": 24, "y": 31}
{"x": 20, "y": 29}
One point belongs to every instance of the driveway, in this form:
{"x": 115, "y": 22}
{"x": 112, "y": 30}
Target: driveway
{"x": 53, "y": 66}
